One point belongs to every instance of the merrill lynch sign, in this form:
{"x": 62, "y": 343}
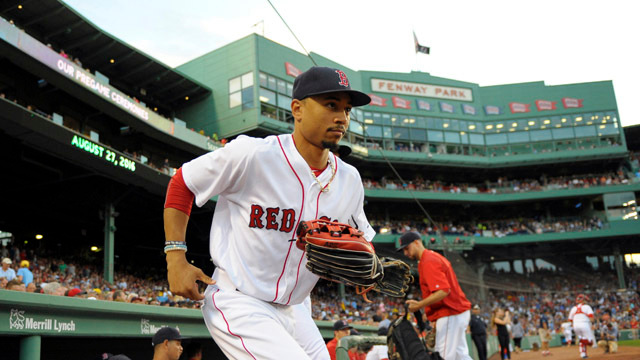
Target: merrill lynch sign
{"x": 423, "y": 90}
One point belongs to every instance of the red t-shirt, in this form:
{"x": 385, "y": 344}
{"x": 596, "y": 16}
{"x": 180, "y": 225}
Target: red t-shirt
{"x": 331, "y": 346}
{"x": 436, "y": 274}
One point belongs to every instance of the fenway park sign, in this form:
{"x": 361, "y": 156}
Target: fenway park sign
{"x": 419, "y": 89}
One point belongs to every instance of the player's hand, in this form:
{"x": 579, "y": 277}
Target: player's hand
{"x": 182, "y": 276}
{"x": 413, "y": 305}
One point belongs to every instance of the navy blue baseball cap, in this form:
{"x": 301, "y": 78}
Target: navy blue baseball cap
{"x": 166, "y": 333}
{"x": 407, "y": 239}
{"x": 341, "y": 325}
{"x": 323, "y": 80}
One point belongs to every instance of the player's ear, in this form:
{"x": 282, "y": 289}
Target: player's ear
{"x": 297, "y": 109}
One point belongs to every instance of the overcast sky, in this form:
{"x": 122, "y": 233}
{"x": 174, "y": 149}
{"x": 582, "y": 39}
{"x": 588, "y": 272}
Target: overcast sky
{"x": 484, "y": 42}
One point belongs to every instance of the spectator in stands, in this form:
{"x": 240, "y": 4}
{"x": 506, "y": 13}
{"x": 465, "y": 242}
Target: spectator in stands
{"x": 15, "y": 285}
{"x": 340, "y": 329}
{"x": 54, "y": 288}
{"x": 24, "y": 273}
{"x": 119, "y": 296}
{"x": 6, "y": 271}
{"x": 167, "y": 344}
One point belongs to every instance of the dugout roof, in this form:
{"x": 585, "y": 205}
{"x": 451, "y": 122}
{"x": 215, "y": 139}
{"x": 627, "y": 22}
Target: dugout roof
{"x": 133, "y": 71}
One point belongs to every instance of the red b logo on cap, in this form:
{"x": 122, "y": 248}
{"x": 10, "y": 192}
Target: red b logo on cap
{"x": 343, "y": 78}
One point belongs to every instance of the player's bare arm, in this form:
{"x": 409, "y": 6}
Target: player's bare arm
{"x": 182, "y": 276}
{"x": 435, "y": 297}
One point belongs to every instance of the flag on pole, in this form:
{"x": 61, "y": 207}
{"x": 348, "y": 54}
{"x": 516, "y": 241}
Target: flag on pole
{"x": 420, "y": 48}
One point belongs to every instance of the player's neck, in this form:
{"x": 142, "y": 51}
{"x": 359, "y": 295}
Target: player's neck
{"x": 315, "y": 157}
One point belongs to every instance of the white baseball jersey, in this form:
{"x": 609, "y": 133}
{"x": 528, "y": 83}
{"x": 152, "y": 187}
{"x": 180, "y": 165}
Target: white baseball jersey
{"x": 581, "y": 313}
{"x": 378, "y": 352}
{"x": 265, "y": 189}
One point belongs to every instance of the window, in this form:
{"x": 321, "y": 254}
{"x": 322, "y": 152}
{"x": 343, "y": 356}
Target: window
{"x": 585, "y": 131}
{"x": 435, "y": 136}
{"x": 418, "y": 134}
{"x": 355, "y": 127}
{"x": 537, "y": 135}
{"x": 451, "y": 137}
{"x": 518, "y": 137}
{"x": 476, "y": 139}
{"x": 495, "y": 139}
{"x": 267, "y": 96}
{"x": 373, "y": 131}
{"x": 241, "y": 91}
{"x": 563, "y": 133}
{"x": 400, "y": 133}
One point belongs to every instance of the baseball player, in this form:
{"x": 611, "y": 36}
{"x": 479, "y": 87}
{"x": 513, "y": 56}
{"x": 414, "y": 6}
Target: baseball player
{"x": 581, "y": 315}
{"x": 442, "y": 298}
{"x": 566, "y": 330}
{"x": 257, "y": 304}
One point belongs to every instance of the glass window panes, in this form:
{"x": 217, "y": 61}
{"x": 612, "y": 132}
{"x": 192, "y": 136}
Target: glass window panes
{"x": 356, "y": 127}
{"x": 386, "y": 132}
{"x": 357, "y": 113}
{"x": 271, "y": 83}
{"x": 464, "y": 137}
{"x": 518, "y": 137}
{"x": 386, "y": 119}
{"x": 418, "y": 134}
{"x": 476, "y": 139}
{"x": 267, "y": 96}
{"x": 451, "y": 137}
{"x": 563, "y": 133}
{"x": 421, "y": 122}
{"x": 247, "y": 97}
{"x": 607, "y": 129}
{"x": 453, "y": 125}
{"x": 282, "y": 86}
{"x": 394, "y": 119}
{"x": 368, "y": 118}
{"x": 373, "y": 131}
{"x": 247, "y": 80}
{"x": 377, "y": 118}
{"x": 435, "y": 136}
{"x": 538, "y": 135}
{"x": 585, "y": 131}
{"x": 289, "y": 89}
{"x": 235, "y": 99}
{"x": 263, "y": 79}
{"x": 496, "y": 139}
{"x": 234, "y": 85}
{"x": 284, "y": 101}
{"x": 400, "y": 133}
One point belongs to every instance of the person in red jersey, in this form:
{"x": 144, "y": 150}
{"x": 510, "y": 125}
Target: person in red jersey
{"x": 442, "y": 298}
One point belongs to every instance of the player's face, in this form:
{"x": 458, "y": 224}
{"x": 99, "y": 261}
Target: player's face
{"x": 324, "y": 119}
{"x": 175, "y": 349}
{"x": 410, "y": 251}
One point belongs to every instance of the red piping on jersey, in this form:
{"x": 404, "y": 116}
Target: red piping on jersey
{"x": 317, "y": 207}
{"x": 213, "y": 298}
{"x": 284, "y": 266}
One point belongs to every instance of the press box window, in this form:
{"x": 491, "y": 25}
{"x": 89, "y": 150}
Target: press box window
{"x": 241, "y": 91}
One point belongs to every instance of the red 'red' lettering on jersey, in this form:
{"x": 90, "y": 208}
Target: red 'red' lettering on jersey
{"x": 270, "y": 218}
{"x": 343, "y": 78}
{"x": 288, "y": 220}
{"x": 254, "y": 218}
{"x": 272, "y": 224}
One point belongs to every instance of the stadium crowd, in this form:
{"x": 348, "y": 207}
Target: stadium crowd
{"x": 494, "y": 228}
{"x": 502, "y": 185}
{"x": 526, "y": 295}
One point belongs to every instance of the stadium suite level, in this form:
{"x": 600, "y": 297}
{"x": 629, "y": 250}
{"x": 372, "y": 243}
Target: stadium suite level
{"x": 429, "y": 127}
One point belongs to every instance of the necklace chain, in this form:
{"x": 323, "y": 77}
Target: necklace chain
{"x": 325, "y": 188}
